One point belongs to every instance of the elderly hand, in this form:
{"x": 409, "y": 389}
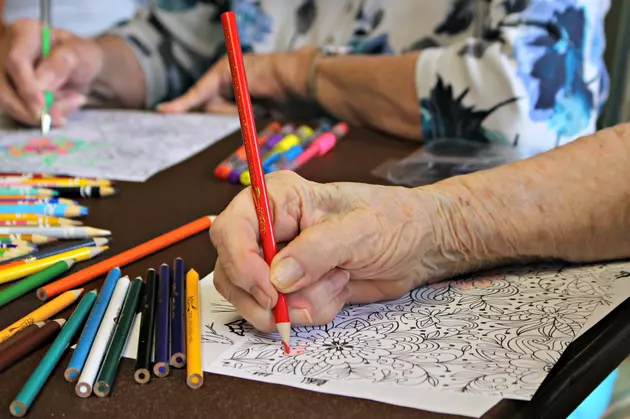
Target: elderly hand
{"x": 347, "y": 243}
{"x": 72, "y": 65}
{"x": 276, "y": 79}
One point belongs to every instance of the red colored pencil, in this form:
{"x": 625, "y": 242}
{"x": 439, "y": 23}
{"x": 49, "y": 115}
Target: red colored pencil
{"x": 259, "y": 187}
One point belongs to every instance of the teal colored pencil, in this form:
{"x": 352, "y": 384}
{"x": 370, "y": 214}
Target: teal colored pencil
{"x": 34, "y": 281}
{"x": 38, "y": 378}
{"x": 27, "y": 191}
{"x": 81, "y": 352}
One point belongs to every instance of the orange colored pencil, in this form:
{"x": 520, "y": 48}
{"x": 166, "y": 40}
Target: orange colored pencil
{"x": 129, "y": 256}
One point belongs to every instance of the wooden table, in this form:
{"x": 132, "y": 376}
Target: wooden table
{"x": 144, "y": 210}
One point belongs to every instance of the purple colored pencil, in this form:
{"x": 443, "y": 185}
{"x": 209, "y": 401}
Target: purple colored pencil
{"x": 178, "y": 320}
{"x": 162, "y": 331}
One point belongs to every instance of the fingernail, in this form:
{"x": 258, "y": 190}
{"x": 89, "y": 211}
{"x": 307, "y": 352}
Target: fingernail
{"x": 259, "y": 295}
{"x": 286, "y": 273}
{"x": 300, "y": 316}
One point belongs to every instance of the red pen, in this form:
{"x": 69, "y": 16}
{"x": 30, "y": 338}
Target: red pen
{"x": 259, "y": 187}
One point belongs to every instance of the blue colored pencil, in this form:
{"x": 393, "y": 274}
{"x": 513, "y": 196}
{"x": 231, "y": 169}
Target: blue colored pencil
{"x": 178, "y": 319}
{"x": 162, "y": 331}
{"x": 44, "y": 209}
{"x": 81, "y": 352}
{"x": 36, "y": 381}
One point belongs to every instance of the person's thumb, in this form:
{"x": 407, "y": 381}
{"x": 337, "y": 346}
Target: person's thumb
{"x": 314, "y": 252}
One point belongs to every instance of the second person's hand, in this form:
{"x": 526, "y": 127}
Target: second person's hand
{"x": 72, "y": 65}
{"x": 277, "y": 79}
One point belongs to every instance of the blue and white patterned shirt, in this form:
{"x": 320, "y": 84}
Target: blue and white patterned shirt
{"x": 523, "y": 72}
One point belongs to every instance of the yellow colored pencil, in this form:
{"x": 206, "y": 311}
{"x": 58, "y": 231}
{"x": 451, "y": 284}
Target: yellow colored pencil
{"x": 37, "y": 219}
{"x": 33, "y": 238}
{"x": 52, "y": 182}
{"x": 194, "y": 372}
{"x": 20, "y": 271}
{"x": 43, "y": 313}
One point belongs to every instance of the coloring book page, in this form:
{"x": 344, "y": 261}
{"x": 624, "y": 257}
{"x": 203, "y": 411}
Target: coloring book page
{"x": 112, "y": 144}
{"x": 454, "y": 347}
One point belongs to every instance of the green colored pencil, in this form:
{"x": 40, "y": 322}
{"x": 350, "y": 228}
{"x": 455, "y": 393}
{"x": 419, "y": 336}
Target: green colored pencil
{"x": 36, "y": 381}
{"x": 106, "y": 375}
{"x": 34, "y": 281}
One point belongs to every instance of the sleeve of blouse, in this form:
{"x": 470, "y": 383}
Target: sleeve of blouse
{"x": 535, "y": 77}
{"x": 174, "y": 47}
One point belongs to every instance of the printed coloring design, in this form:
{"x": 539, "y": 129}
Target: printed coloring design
{"x": 492, "y": 334}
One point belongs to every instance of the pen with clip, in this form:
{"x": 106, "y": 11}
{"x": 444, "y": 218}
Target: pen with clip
{"x": 44, "y": 6}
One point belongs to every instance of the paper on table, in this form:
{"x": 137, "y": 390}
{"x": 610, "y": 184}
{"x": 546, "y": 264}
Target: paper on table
{"x": 455, "y": 347}
{"x": 112, "y": 144}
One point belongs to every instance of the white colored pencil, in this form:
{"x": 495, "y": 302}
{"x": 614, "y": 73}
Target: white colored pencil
{"x": 57, "y": 232}
{"x": 99, "y": 346}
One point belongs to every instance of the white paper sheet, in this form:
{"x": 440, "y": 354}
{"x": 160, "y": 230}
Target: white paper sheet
{"x": 118, "y": 145}
{"x": 455, "y": 347}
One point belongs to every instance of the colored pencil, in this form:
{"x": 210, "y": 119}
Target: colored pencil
{"x": 30, "y": 283}
{"x": 259, "y": 187}
{"x": 20, "y": 271}
{"x": 25, "y": 397}
{"x": 39, "y": 219}
{"x": 69, "y": 211}
{"x": 125, "y": 258}
{"x": 19, "y": 335}
{"x": 35, "y": 201}
{"x": 162, "y": 331}
{"x": 26, "y": 175}
{"x": 178, "y": 315}
{"x": 101, "y": 341}
{"x": 194, "y": 371}
{"x": 52, "y": 251}
{"x": 42, "y": 313}
{"x": 142, "y": 374}
{"x": 58, "y": 232}
{"x": 27, "y": 223}
{"x": 43, "y": 192}
{"x": 80, "y": 354}
{"x": 106, "y": 375}
{"x": 8, "y": 254}
{"x": 28, "y": 344}
{"x": 48, "y": 182}
{"x": 33, "y": 238}
{"x": 85, "y": 191}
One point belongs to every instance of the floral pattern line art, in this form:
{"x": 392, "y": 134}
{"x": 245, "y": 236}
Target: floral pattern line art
{"x": 495, "y": 334}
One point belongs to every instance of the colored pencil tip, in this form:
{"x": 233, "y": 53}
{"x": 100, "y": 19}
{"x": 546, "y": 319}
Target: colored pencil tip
{"x": 287, "y": 348}
{"x": 102, "y": 241}
{"x": 83, "y": 211}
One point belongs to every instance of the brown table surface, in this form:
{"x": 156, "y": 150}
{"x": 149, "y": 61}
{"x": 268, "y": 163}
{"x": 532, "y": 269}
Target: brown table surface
{"x": 189, "y": 190}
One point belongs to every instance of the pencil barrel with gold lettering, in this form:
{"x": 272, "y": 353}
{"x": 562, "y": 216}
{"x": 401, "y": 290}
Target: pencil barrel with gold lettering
{"x": 194, "y": 372}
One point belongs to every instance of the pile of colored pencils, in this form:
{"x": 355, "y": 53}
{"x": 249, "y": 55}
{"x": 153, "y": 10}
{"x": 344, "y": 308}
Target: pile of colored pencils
{"x": 170, "y": 333}
{"x": 36, "y": 210}
{"x": 283, "y": 147}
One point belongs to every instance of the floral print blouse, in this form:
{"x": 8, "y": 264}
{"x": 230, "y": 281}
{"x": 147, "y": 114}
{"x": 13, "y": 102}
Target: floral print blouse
{"x": 524, "y": 72}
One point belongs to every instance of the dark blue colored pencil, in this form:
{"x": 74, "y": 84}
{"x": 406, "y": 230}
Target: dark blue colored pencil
{"x": 162, "y": 331}
{"x": 178, "y": 320}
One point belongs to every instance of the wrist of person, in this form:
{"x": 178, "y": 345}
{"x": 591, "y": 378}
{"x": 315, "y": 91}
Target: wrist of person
{"x": 293, "y": 70}
{"x": 472, "y": 230}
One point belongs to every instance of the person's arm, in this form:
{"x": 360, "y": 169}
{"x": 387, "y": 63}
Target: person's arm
{"x": 572, "y": 203}
{"x": 373, "y": 91}
{"x": 157, "y": 56}
{"x": 538, "y": 73}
